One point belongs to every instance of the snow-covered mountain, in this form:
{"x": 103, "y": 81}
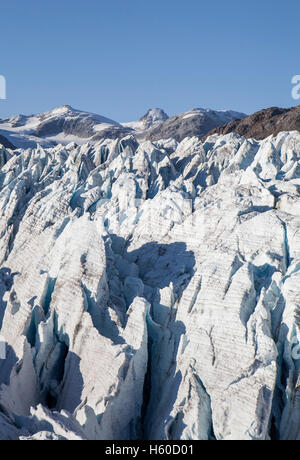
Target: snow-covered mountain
{"x": 60, "y": 125}
{"x": 152, "y": 118}
{"x": 151, "y": 289}
{"x": 195, "y": 122}
{"x": 65, "y": 124}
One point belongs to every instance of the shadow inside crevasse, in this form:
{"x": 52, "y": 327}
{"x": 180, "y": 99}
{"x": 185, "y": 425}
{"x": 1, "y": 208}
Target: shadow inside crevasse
{"x": 6, "y": 365}
{"x": 162, "y": 381}
{"x": 159, "y": 266}
{"x": 71, "y": 384}
{"x": 6, "y": 283}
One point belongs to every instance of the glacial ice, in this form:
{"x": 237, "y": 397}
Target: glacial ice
{"x": 151, "y": 290}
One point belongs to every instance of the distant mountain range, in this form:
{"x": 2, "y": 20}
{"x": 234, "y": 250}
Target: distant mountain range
{"x": 64, "y": 124}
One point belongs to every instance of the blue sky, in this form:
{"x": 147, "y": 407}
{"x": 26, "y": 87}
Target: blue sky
{"x": 119, "y": 58}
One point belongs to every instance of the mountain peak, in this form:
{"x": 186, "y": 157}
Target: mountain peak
{"x": 153, "y": 116}
{"x": 62, "y": 109}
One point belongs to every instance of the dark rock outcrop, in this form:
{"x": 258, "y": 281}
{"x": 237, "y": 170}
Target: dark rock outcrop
{"x": 263, "y": 123}
{"x": 197, "y": 122}
{"x": 113, "y": 132}
{"x": 5, "y": 142}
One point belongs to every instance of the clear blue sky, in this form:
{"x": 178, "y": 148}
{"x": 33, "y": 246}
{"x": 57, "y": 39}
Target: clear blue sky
{"x": 119, "y": 58}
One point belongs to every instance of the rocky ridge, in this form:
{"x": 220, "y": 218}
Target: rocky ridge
{"x": 267, "y": 122}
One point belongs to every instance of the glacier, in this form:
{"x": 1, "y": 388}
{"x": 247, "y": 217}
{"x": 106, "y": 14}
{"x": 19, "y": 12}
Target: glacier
{"x": 150, "y": 290}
